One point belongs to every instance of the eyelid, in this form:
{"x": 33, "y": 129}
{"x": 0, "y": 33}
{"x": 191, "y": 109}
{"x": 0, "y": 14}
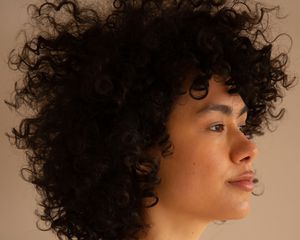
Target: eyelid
{"x": 216, "y": 124}
{"x": 223, "y": 125}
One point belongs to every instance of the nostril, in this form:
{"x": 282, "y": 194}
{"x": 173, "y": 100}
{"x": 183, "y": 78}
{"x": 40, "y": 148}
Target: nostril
{"x": 247, "y": 158}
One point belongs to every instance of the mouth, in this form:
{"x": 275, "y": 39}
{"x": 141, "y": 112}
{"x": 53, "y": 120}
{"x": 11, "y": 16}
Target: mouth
{"x": 244, "y": 182}
{"x": 244, "y": 185}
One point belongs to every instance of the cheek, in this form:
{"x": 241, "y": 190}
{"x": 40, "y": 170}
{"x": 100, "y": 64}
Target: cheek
{"x": 196, "y": 160}
{"x": 192, "y": 165}
{"x": 195, "y": 157}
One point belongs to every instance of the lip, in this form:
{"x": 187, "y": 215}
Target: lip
{"x": 243, "y": 181}
{"x": 243, "y": 185}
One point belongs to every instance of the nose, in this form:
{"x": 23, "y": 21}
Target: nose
{"x": 243, "y": 150}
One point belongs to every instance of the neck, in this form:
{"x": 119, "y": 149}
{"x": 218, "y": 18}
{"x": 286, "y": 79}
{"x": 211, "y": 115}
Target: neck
{"x": 166, "y": 224}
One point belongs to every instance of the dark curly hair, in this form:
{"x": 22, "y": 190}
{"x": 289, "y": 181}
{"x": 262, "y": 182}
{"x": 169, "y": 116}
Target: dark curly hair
{"x": 101, "y": 84}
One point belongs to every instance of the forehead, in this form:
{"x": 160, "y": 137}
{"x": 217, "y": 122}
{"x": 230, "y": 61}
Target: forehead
{"x": 217, "y": 95}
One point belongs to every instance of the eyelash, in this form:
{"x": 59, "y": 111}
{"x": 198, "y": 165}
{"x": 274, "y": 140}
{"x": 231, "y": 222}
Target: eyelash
{"x": 219, "y": 124}
{"x": 216, "y": 125}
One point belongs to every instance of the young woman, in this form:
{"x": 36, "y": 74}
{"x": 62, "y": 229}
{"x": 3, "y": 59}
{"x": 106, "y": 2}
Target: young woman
{"x": 143, "y": 114}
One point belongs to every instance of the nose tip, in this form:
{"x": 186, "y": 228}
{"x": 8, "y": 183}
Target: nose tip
{"x": 244, "y": 150}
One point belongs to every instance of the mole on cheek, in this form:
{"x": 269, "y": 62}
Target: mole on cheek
{"x": 193, "y": 172}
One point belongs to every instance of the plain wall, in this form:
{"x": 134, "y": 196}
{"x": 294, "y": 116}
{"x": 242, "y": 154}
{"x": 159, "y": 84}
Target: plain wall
{"x": 274, "y": 215}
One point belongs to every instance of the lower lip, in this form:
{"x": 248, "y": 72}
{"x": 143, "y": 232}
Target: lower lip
{"x": 243, "y": 185}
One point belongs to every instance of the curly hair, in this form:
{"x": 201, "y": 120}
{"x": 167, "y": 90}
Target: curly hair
{"x": 101, "y": 86}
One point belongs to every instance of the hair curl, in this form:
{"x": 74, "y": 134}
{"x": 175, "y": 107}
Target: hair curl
{"x": 101, "y": 88}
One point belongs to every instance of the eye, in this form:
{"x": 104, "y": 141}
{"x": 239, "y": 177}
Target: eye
{"x": 217, "y": 127}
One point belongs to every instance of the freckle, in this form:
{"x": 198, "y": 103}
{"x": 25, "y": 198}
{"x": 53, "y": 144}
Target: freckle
{"x": 194, "y": 163}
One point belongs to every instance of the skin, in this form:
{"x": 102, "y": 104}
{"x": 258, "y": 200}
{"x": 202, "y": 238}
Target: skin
{"x": 209, "y": 149}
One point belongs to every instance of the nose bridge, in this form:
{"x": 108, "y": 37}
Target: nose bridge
{"x": 242, "y": 148}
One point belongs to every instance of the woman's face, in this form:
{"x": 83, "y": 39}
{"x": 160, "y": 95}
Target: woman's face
{"x": 209, "y": 150}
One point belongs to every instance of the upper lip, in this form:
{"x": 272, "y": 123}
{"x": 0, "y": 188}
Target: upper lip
{"x": 246, "y": 176}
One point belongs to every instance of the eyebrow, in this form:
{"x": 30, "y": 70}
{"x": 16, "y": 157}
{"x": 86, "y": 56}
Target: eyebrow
{"x": 225, "y": 109}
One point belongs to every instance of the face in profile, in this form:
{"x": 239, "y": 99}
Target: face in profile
{"x": 210, "y": 151}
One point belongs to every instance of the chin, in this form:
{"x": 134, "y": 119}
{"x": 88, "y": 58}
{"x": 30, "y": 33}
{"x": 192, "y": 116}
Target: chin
{"x": 239, "y": 214}
{"x": 235, "y": 214}
{"x": 233, "y": 217}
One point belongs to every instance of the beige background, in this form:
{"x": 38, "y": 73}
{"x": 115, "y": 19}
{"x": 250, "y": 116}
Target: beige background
{"x": 275, "y": 215}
